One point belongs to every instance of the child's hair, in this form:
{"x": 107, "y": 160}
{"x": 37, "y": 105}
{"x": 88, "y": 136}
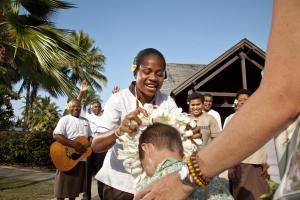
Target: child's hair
{"x": 139, "y": 58}
{"x": 195, "y": 95}
{"x": 243, "y": 91}
{"x": 162, "y": 136}
{"x": 208, "y": 95}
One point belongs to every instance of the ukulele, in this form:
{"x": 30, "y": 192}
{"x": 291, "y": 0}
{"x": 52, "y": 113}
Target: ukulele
{"x": 66, "y": 158}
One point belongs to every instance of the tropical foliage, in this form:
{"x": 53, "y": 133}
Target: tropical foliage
{"x": 6, "y": 111}
{"x": 32, "y": 47}
{"x": 79, "y": 71}
{"x": 43, "y": 114}
{"x": 28, "y": 148}
{"x": 92, "y": 72}
{"x": 40, "y": 55}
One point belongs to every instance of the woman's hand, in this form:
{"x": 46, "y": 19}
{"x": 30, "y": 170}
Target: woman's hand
{"x": 132, "y": 121}
{"x": 169, "y": 187}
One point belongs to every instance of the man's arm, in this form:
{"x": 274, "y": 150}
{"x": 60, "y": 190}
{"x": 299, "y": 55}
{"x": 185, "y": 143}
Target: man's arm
{"x": 83, "y": 88}
{"x": 70, "y": 143}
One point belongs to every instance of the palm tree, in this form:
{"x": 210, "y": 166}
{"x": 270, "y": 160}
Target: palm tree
{"x": 31, "y": 45}
{"x": 32, "y": 49}
{"x": 89, "y": 97}
{"x": 90, "y": 69}
{"x": 43, "y": 114}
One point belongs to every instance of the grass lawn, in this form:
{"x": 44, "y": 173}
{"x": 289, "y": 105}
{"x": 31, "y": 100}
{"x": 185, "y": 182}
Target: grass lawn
{"x": 15, "y": 189}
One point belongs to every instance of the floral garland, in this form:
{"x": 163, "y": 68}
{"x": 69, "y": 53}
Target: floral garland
{"x": 176, "y": 118}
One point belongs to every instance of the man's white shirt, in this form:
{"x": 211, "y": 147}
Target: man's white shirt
{"x": 94, "y": 120}
{"x": 217, "y": 116}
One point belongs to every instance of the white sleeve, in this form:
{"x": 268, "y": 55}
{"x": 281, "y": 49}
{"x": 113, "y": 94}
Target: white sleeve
{"x": 227, "y": 120}
{"x": 111, "y": 116}
{"x": 82, "y": 113}
{"x": 219, "y": 120}
{"x": 171, "y": 103}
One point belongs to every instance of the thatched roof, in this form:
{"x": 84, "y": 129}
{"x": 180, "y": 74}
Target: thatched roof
{"x": 177, "y": 74}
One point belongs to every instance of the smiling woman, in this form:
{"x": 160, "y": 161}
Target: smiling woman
{"x": 121, "y": 115}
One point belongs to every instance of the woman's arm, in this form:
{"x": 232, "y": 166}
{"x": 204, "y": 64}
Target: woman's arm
{"x": 70, "y": 143}
{"x": 104, "y": 141}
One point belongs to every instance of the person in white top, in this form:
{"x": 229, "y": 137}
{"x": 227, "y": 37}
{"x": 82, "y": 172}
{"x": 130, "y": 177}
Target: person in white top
{"x": 119, "y": 115}
{"x": 207, "y": 104}
{"x": 95, "y": 161}
{"x": 71, "y": 183}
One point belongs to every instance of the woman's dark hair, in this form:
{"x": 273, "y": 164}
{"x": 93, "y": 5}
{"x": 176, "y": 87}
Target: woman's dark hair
{"x": 162, "y": 136}
{"x": 140, "y": 56}
{"x": 243, "y": 91}
{"x": 195, "y": 95}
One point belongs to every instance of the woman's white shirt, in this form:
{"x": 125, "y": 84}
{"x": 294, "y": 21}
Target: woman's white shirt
{"x": 116, "y": 108}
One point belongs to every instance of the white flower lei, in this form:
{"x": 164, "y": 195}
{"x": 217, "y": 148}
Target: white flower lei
{"x": 176, "y": 118}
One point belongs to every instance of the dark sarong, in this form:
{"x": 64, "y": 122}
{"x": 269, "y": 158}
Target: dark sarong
{"x": 94, "y": 163}
{"x": 71, "y": 183}
{"x": 246, "y": 182}
{"x": 111, "y": 193}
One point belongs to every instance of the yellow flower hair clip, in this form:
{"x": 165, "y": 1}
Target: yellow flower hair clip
{"x": 235, "y": 103}
{"x": 133, "y": 67}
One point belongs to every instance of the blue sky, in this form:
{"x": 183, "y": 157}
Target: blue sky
{"x": 192, "y": 31}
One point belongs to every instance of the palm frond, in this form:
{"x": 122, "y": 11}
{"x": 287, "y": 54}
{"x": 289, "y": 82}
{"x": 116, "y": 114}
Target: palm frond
{"x": 44, "y": 8}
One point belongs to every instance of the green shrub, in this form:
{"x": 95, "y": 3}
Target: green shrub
{"x": 29, "y": 148}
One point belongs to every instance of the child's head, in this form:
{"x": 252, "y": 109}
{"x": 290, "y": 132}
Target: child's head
{"x": 149, "y": 72}
{"x": 158, "y": 142}
{"x": 195, "y": 101}
{"x": 242, "y": 96}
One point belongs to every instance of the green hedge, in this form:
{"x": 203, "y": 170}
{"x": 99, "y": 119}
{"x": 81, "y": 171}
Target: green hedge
{"x": 26, "y": 148}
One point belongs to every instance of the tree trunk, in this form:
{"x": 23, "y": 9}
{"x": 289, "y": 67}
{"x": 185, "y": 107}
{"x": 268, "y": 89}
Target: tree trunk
{"x": 27, "y": 105}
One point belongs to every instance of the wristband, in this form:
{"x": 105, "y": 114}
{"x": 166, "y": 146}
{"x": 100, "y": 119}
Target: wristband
{"x": 118, "y": 132}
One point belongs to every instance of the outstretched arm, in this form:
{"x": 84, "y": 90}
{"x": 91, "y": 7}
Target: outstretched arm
{"x": 83, "y": 88}
{"x": 256, "y": 122}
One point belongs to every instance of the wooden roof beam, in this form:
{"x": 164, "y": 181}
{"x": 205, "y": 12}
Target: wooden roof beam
{"x": 219, "y": 94}
{"x": 243, "y": 66}
{"x": 232, "y": 60}
{"x": 253, "y": 61}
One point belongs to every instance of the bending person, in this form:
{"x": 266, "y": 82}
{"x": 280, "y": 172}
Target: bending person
{"x": 255, "y": 123}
